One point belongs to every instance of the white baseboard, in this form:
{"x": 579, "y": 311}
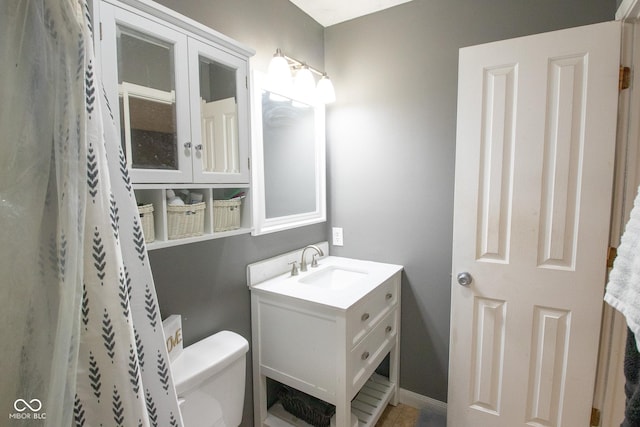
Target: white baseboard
{"x": 419, "y": 401}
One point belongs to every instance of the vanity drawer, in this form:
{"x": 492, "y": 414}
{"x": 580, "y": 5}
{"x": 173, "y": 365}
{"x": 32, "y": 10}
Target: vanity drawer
{"x": 368, "y": 354}
{"x": 368, "y": 312}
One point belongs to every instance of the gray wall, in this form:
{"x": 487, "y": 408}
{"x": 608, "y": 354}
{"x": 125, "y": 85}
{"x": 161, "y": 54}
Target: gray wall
{"x": 391, "y": 143}
{"x": 206, "y": 282}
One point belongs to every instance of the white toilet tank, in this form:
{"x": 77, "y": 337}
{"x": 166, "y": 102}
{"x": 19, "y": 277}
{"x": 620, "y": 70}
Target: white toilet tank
{"x": 209, "y": 377}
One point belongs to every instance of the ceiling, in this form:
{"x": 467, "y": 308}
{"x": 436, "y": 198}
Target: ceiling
{"x": 330, "y": 12}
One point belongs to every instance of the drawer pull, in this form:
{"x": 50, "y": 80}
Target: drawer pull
{"x": 389, "y": 296}
{"x": 365, "y": 355}
{"x": 365, "y": 317}
{"x": 388, "y": 329}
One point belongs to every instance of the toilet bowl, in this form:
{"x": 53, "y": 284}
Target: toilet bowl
{"x": 210, "y": 381}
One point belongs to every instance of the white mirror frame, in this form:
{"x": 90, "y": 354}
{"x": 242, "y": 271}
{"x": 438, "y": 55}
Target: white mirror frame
{"x": 262, "y": 224}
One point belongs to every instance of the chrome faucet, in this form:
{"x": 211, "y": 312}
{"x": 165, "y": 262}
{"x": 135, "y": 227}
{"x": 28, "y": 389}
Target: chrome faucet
{"x": 314, "y": 261}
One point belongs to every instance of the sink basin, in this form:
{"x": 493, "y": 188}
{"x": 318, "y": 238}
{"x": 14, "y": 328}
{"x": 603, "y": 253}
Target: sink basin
{"x": 333, "y": 277}
{"x": 337, "y": 282}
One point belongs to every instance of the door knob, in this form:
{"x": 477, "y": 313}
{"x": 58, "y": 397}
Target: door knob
{"x": 464, "y": 279}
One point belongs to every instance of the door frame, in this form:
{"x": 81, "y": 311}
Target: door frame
{"x": 609, "y": 395}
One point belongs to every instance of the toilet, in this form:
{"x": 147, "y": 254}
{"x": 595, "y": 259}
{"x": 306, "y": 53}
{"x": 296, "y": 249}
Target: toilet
{"x": 209, "y": 377}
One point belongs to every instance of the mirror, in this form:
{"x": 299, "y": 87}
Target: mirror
{"x": 288, "y": 156}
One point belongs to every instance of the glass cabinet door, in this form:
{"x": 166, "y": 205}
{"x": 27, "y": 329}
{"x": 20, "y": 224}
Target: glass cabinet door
{"x": 219, "y": 114}
{"x": 148, "y": 72}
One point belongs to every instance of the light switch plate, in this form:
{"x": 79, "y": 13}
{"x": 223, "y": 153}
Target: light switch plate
{"x": 337, "y": 236}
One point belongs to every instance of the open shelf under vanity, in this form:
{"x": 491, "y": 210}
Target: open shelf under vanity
{"x": 366, "y": 407}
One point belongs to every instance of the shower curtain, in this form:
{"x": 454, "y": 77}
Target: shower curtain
{"x": 82, "y": 340}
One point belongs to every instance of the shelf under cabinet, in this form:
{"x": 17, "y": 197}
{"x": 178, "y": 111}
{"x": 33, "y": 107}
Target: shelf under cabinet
{"x": 159, "y": 244}
{"x": 371, "y": 400}
{"x": 366, "y": 407}
{"x": 156, "y": 195}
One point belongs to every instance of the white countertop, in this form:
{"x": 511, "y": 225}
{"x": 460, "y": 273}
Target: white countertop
{"x": 341, "y": 298}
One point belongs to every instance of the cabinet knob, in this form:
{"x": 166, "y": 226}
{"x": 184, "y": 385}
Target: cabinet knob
{"x": 187, "y": 145}
{"x": 198, "y": 147}
{"x": 365, "y": 317}
{"x": 389, "y": 296}
{"x": 388, "y": 329}
{"x": 365, "y": 355}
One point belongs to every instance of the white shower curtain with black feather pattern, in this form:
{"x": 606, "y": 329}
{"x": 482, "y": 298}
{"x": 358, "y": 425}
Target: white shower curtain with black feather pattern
{"x": 82, "y": 339}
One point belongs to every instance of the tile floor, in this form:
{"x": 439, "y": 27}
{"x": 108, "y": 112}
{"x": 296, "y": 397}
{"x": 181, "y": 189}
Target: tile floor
{"x": 398, "y": 416}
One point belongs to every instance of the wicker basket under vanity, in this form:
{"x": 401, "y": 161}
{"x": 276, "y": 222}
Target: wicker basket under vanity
{"x": 226, "y": 214}
{"x": 185, "y": 220}
{"x": 146, "y": 219}
{"x": 308, "y": 408}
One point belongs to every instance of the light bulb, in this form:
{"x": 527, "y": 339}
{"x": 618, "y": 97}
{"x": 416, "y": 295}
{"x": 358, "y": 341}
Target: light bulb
{"x": 304, "y": 84}
{"x": 326, "y": 93}
{"x": 279, "y": 73}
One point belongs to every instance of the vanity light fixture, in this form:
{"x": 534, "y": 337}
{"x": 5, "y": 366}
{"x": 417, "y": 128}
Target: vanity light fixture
{"x": 280, "y": 72}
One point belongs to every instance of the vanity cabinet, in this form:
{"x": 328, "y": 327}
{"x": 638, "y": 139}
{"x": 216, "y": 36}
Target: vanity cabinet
{"x": 178, "y": 92}
{"x": 328, "y": 351}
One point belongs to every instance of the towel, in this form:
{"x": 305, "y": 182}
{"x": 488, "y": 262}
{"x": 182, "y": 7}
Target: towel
{"x": 632, "y": 383}
{"x": 623, "y": 289}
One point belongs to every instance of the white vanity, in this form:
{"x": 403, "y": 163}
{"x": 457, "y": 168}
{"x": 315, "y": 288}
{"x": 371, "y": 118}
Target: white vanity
{"x": 324, "y": 332}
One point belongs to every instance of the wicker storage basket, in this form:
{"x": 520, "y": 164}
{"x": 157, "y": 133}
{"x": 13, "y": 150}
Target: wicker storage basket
{"x": 308, "y": 408}
{"x": 185, "y": 220}
{"x": 146, "y": 218}
{"x": 226, "y": 214}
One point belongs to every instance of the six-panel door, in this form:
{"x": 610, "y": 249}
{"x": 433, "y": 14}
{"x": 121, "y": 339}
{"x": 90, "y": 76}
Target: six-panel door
{"x": 534, "y": 169}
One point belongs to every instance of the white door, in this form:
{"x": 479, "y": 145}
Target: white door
{"x": 534, "y": 169}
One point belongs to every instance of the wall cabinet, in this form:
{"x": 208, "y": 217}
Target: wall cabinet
{"x": 179, "y": 96}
